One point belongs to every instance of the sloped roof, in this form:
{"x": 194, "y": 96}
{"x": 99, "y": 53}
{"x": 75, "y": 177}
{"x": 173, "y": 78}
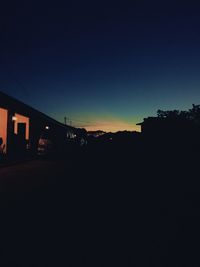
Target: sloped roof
{"x": 9, "y": 102}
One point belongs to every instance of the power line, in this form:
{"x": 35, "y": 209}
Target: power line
{"x": 76, "y": 122}
{"x": 68, "y": 119}
{"x": 81, "y": 121}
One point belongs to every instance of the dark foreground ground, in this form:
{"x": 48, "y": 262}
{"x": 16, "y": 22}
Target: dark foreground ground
{"x": 103, "y": 206}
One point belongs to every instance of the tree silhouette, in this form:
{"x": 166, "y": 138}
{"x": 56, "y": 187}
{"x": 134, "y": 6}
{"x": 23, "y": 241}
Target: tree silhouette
{"x": 192, "y": 114}
{"x": 195, "y": 113}
{"x": 168, "y": 114}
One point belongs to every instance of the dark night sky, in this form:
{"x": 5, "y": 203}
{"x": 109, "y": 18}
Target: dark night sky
{"x": 104, "y": 65}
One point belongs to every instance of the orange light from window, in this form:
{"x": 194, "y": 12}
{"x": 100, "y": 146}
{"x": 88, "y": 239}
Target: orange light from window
{"x": 3, "y": 125}
{"x": 21, "y": 119}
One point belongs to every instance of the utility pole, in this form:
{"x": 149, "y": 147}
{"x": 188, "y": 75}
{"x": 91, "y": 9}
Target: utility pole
{"x": 67, "y": 121}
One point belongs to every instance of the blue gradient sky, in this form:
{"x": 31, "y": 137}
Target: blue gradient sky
{"x": 104, "y": 65}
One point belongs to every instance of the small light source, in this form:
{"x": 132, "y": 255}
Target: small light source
{"x": 14, "y": 118}
{"x": 47, "y": 127}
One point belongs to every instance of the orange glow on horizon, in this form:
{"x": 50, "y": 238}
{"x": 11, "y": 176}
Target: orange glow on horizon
{"x": 112, "y": 126}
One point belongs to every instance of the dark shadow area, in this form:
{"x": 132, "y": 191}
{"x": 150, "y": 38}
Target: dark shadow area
{"x": 131, "y": 199}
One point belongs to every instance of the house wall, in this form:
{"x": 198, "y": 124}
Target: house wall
{"x": 3, "y": 126}
{"x": 21, "y": 119}
{"x": 13, "y": 112}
